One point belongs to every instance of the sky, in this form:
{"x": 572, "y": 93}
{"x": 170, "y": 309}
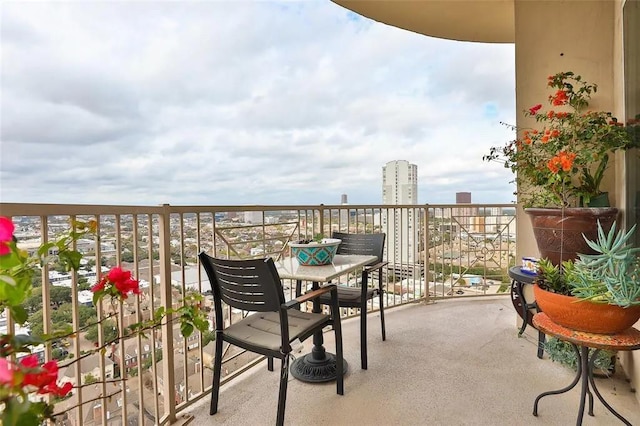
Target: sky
{"x": 242, "y": 103}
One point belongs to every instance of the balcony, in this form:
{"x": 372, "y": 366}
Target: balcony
{"x": 443, "y": 360}
{"x": 453, "y": 362}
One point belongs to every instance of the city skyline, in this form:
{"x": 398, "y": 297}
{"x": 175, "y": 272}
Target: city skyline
{"x": 277, "y": 103}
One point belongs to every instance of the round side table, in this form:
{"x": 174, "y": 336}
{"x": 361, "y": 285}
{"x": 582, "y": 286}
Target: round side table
{"x": 518, "y": 280}
{"x": 628, "y": 340}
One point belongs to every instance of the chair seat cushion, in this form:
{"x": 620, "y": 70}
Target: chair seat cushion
{"x": 263, "y": 328}
{"x": 349, "y": 295}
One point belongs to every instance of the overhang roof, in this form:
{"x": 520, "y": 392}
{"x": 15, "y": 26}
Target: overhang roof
{"x": 488, "y": 21}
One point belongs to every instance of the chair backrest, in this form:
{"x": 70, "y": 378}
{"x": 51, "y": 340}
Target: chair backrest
{"x": 251, "y": 284}
{"x": 362, "y": 244}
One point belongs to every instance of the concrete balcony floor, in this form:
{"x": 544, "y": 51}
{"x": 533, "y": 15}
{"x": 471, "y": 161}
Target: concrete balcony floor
{"x": 455, "y": 362}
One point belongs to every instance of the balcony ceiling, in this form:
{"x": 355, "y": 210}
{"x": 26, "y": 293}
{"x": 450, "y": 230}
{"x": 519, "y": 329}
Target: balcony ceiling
{"x": 464, "y": 20}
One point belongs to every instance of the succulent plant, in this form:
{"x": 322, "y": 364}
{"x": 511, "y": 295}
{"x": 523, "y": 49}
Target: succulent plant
{"x": 612, "y": 275}
{"x": 552, "y": 278}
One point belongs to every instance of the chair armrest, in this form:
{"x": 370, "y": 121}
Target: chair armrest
{"x": 378, "y": 265}
{"x": 310, "y": 295}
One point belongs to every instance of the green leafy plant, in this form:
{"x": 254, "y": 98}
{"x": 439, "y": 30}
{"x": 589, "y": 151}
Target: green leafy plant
{"x": 563, "y": 161}
{"x": 564, "y": 353}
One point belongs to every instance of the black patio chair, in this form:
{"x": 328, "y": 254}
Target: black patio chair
{"x": 354, "y": 297}
{"x": 254, "y": 285}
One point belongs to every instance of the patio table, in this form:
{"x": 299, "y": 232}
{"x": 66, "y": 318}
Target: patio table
{"x": 319, "y": 365}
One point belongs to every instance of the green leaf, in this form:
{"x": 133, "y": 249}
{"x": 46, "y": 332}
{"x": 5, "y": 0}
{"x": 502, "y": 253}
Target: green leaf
{"x": 19, "y": 314}
{"x": 9, "y": 260}
{"x": 159, "y": 313}
{"x": 186, "y": 329}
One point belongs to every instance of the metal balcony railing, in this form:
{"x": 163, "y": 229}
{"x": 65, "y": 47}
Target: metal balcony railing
{"x": 434, "y": 251}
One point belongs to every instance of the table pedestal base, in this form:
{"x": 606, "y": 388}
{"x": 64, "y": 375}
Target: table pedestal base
{"x": 585, "y": 373}
{"x": 309, "y": 369}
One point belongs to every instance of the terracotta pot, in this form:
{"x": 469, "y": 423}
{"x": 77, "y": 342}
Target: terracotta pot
{"x": 581, "y": 315}
{"x": 559, "y": 232}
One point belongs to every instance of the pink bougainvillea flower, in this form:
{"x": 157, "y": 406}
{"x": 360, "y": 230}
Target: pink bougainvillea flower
{"x": 6, "y": 372}
{"x": 119, "y": 279}
{"x": 534, "y": 109}
{"x": 118, "y": 274}
{"x": 43, "y": 377}
{"x": 99, "y": 285}
{"x": 6, "y": 234}
{"x": 29, "y": 361}
{"x": 53, "y": 388}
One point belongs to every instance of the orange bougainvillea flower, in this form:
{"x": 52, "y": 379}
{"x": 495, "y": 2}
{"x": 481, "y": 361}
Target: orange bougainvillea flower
{"x": 544, "y": 139}
{"x": 564, "y": 160}
{"x": 550, "y": 114}
{"x": 560, "y": 98}
{"x": 567, "y": 159}
{"x": 555, "y": 133}
{"x": 527, "y": 141}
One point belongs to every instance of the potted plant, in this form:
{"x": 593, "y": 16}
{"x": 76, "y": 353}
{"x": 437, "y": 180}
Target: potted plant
{"x": 316, "y": 252}
{"x": 597, "y": 293}
{"x": 560, "y": 166}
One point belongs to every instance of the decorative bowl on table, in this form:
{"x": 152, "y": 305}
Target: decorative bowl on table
{"x": 313, "y": 253}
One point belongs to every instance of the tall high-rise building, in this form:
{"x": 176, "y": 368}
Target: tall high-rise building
{"x": 400, "y": 186}
{"x": 399, "y": 183}
{"x": 344, "y": 214}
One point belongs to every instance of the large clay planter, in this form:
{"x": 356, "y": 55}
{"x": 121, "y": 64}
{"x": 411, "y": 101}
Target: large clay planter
{"x": 581, "y": 315}
{"x": 559, "y": 232}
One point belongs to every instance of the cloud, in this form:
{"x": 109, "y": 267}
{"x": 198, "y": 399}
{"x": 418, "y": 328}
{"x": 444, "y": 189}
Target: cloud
{"x": 241, "y": 103}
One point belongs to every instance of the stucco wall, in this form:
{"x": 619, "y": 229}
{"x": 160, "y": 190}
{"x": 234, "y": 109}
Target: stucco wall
{"x": 584, "y": 37}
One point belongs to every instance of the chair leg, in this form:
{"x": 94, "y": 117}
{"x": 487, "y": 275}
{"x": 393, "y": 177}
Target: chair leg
{"x": 384, "y": 334}
{"x": 217, "y": 367}
{"x": 270, "y": 363}
{"x": 337, "y": 328}
{"x": 363, "y": 336}
{"x": 282, "y": 395}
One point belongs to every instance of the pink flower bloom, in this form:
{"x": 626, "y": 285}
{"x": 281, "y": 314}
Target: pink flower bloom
{"x": 6, "y": 234}
{"x": 100, "y": 285}
{"x": 119, "y": 279}
{"x": 30, "y": 361}
{"x": 55, "y": 389}
{"x": 6, "y": 372}
{"x": 534, "y": 109}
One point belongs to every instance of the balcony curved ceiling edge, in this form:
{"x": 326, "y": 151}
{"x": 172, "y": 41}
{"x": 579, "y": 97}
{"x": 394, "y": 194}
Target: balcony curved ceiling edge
{"x": 487, "y": 21}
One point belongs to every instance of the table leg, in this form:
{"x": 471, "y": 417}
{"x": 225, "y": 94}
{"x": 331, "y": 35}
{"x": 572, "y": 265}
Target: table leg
{"x": 319, "y": 365}
{"x": 563, "y": 390}
{"x": 583, "y": 359}
{"x": 595, "y": 390}
{"x": 516, "y": 293}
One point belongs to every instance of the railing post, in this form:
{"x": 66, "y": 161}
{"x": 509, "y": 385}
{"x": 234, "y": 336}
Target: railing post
{"x": 427, "y": 266}
{"x": 321, "y": 220}
{"x": 168, "y": 366}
